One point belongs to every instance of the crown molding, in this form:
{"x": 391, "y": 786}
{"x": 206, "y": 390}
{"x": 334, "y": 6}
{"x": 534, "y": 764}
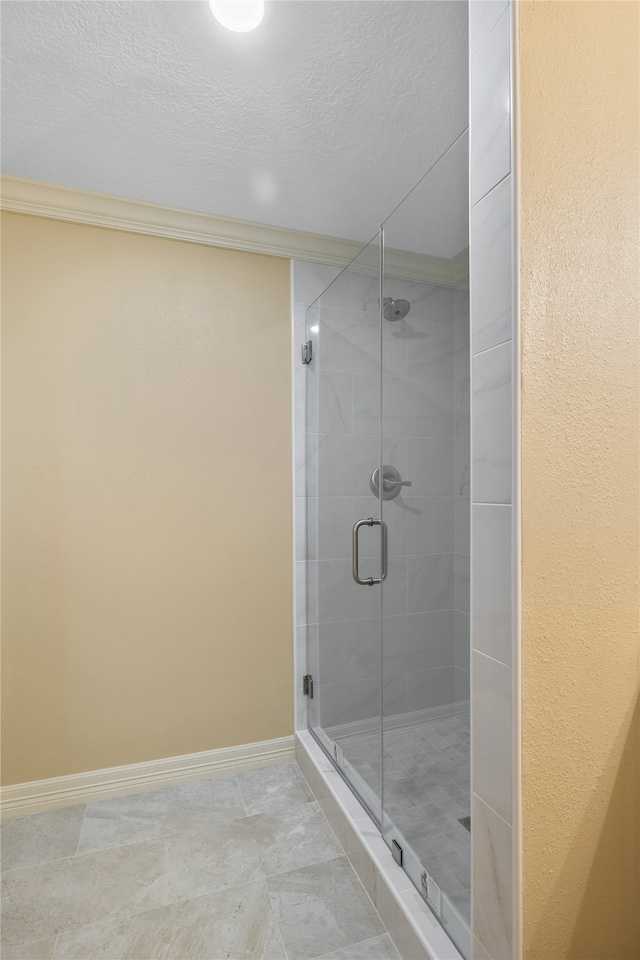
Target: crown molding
{"x": 413, "y": 266}
{"x": 137, "y": 216}
{"x": 54, "y": 202}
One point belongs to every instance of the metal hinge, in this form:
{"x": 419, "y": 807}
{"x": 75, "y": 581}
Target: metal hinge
{"x": 307, "y": 352}
{"x": 396, "y": 850}
{"x": 432, "y": 892}
{"x": 307, "y": 686}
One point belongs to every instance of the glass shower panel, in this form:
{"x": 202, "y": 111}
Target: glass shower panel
{"x": 343, "y": 441}
{"x": 425, "y": 504}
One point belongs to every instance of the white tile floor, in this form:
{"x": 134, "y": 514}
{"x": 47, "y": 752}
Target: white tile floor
{"x": 426, "y": 791}
{"x": 238, "y": 867}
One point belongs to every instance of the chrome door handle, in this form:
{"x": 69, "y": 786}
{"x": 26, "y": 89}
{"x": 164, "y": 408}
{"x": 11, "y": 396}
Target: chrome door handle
{"x": 370, "y": 522}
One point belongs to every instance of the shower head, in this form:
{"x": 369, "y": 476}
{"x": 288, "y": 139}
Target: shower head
{"x": 395, "y": 309}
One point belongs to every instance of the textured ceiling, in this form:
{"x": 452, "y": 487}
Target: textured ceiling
{"x": 320, "y": 120}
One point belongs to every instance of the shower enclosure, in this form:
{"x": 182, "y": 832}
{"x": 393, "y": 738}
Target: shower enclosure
{"x": 386, "y": 368}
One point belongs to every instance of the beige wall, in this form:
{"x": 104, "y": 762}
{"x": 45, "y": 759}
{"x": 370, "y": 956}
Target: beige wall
{"x": 580, "y": 420}
{"x": 146, "y": 511}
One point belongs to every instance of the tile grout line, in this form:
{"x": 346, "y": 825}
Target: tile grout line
{"x": 84, "y": 817}
{"x": 141, "y": 913}
{"x": 509, "y": 666}
{"x": 244, "y": 803}
{"x": 502, "y": 179}
{"x": 316, "y": 863}
{"x": 159, "y": 836}
{"x": 345, "y": 854}
{"x": 360, "y": 943}
{"x": 199, "y": 896}
{"x": 74, "y": 856}
{"x": 275, "y": 919}
{"x": 166, "y": 870}
{"x": 27, "y": 943}
{"x": 494, "y": 346}
{"x": 105, "y": 849}
{"x": 117, "y": 846}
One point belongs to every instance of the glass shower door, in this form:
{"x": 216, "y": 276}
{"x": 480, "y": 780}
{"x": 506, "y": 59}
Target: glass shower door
{"x": 386, "y": 569}
{"x": 425, "y": 505}
{"x": 343, "y": 442}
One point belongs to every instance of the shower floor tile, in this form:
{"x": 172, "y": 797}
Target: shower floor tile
{"x": 235, "y": 867}
{"x": 426, "y": 792}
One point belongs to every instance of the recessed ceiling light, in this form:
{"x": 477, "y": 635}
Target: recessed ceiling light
{"x": 238, "y": 15}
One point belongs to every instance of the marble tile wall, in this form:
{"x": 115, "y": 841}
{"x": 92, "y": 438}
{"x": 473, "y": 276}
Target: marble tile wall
{"x": 425, "y": 426}
{"x": 492, "y": 445}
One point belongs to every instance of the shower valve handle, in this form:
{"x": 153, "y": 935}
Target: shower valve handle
{"x": 391, "y": 482}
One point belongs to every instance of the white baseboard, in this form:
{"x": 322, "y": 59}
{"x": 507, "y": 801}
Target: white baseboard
{"x": 22, "y": 798}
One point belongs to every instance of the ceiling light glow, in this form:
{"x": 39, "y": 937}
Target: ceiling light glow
{"x": 238, "y": 15}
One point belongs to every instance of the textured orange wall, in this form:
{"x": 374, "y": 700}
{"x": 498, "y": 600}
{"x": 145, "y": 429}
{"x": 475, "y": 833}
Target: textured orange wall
{"x": 146, "y": 464}
{"x": 580, "y": 176}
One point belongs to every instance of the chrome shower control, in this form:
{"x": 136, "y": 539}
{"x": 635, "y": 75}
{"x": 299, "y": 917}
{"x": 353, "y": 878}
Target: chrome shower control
{"x": 391, "y": 482}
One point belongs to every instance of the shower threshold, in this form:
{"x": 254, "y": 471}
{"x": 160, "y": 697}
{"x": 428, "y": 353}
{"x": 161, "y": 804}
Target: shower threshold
{"x": 413, "y": 927}
{"x": 427, "y": 792}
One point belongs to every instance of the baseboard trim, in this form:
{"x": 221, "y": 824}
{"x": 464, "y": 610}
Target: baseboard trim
{"x": 23, "y": 798}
